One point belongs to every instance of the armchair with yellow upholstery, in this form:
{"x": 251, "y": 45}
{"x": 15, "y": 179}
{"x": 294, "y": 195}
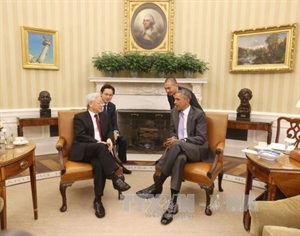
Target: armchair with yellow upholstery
{"x": 71, "y": 171}
{"x": 275, "y": 218}
{"x": 203, "y": 173}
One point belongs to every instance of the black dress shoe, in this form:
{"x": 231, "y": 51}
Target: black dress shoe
{"x": 99, "y": 209}
{"x": 149, "y": 192}
{"x": 168, "y": 215}
{"x": 126, "y": 171}
{"x": 120, "y": 185}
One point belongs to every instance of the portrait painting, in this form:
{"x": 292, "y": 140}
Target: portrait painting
{"x": 40, "y": 49}
{"x": 149, "y": 26}
{"x": 263, "y": 50}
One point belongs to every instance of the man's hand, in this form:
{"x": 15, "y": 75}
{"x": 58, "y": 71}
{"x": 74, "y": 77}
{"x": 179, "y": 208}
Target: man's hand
{"x": 109, "y": 144}
{"x": 116, "y": 134}
{"x": 169, "y": 141}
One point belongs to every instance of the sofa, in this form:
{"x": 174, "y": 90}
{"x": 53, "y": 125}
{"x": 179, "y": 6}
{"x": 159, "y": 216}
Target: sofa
{"x": 275, "y": 218}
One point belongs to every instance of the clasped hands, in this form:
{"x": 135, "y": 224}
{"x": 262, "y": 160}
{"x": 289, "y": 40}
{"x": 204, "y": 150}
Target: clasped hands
{"x": 169, "y": 141}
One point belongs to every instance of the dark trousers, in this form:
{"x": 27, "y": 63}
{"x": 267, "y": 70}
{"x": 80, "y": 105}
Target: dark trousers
{"x": 102, "y": 162}
{"x": 173, "y": 161}
{"x": 122, "y": 148}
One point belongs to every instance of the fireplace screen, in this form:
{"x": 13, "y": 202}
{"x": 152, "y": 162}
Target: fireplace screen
{"x": 145, "y": 130}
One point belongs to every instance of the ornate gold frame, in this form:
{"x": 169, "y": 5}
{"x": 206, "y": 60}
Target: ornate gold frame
{"x": 43, "y": 54}
{"x": 241, "y": 58}
{"x": 162, "y": 12}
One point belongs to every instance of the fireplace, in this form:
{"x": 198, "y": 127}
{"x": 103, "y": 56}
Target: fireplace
{"x": 144, "y": 111}
{"x": 145, "y": 130}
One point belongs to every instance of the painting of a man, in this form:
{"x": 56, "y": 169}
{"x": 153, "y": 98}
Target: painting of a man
{"x": 149, "y": 26}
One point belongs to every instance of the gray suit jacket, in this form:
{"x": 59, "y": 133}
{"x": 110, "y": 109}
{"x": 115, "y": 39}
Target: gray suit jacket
{"x": 196, "y": 126}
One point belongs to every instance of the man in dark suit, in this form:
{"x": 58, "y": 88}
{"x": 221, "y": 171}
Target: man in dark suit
{"x": 93, "y": 144}
{"x": 107, "y": 92}
{"x": 171, "y": 86}
{"x": 188, "y": 143}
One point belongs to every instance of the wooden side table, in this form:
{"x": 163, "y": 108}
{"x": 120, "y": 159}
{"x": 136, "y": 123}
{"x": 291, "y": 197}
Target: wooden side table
{"x": 275, "y": 175}
{"x": 12, "y": 163}
{"x": 252, "y": 125}
{"x": 35, "y": 121}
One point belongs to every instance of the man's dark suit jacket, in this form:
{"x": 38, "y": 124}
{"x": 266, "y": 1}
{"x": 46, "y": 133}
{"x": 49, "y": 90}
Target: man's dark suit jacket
{"x": 193, "y": 101}
{"x": 111, "y": 110}
{"x": 84, "y": 133}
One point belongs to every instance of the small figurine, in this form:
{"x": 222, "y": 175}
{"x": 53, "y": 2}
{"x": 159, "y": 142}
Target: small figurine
{"x": 45, "y": 98}
{"x": 244, "y": 109}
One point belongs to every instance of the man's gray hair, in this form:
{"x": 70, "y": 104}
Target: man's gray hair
{"x": 185, "y": 93}
{"x": 90, "y": 98}
{"x": 151, "y": 18}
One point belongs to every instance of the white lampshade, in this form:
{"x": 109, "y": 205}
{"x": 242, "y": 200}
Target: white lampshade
{"x": 298, "y": 104}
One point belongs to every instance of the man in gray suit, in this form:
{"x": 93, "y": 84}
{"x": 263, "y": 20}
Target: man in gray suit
{"x": 188, "y": 143}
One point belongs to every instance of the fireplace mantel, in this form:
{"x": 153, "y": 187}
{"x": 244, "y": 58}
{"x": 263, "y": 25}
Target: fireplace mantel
{"x": 145, "y": 93}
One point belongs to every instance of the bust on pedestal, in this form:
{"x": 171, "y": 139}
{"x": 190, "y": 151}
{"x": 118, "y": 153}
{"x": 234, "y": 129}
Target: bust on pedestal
{"x": 44, "y": 98}
{"x": 244, "y": 109}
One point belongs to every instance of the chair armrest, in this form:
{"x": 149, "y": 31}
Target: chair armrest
{"x": 60, "y": 144}
{"x": 219, "y": 150}
{"x": 59, "y": 147}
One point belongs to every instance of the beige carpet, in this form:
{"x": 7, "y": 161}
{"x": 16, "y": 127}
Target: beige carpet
{"x": 132, "y": 216}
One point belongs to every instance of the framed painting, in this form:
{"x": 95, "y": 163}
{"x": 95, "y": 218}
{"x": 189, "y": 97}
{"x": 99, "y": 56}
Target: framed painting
{"x": 263, "y": 50}
{"x": 149, "y": 25}
{"x": 40, "y": 48}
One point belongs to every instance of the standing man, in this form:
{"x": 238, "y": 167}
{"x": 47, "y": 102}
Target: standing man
{"x": 93, "y": 144}
{"x": 107, "y": 92}
{"x": 188, "y": 143}
{"x": 171, "y": 86}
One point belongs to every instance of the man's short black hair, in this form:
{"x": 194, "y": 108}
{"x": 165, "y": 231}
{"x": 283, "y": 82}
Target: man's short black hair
{"x": 107, "y": 86}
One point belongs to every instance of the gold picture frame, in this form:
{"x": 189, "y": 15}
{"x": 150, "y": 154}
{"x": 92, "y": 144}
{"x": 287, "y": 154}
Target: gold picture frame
{"x": 263, "y": 50}
{"x": 149, "y": 25}
{"x": 40, "y": 48}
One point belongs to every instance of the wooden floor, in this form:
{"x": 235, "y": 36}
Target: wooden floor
{"x": 232, "y": 165}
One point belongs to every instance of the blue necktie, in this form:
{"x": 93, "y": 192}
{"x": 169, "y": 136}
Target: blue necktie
{"x": 105, "y": 108}
{"x": 181, "y": 126}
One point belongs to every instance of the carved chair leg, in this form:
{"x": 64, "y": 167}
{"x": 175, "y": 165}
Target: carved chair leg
{"x": 209, "y": 190}
{"x": 220, "y": 178}
{"x": 120, "y": 196}
{"x": 62, "y": 189}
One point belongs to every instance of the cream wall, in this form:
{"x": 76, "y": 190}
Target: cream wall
{"x": 89, "y": 26}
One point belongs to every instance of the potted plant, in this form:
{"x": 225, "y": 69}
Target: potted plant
{"x": 109, "y": 62}
{"x": 188, "y": 63}
{"x": 136, "y": 61}
{"x": 164, "y": 63}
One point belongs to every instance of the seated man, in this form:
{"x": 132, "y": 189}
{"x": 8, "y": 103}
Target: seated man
{"x": 107, "y": 92}
{"x": 93, "y": 144}
{"x": 188, "y": 143}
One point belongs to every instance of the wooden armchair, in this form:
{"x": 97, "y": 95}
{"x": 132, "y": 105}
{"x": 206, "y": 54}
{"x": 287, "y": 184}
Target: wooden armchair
{"x": 292, "y": 132}
{"x": 70, "y": 171}
{"x": 202, "y": 173}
